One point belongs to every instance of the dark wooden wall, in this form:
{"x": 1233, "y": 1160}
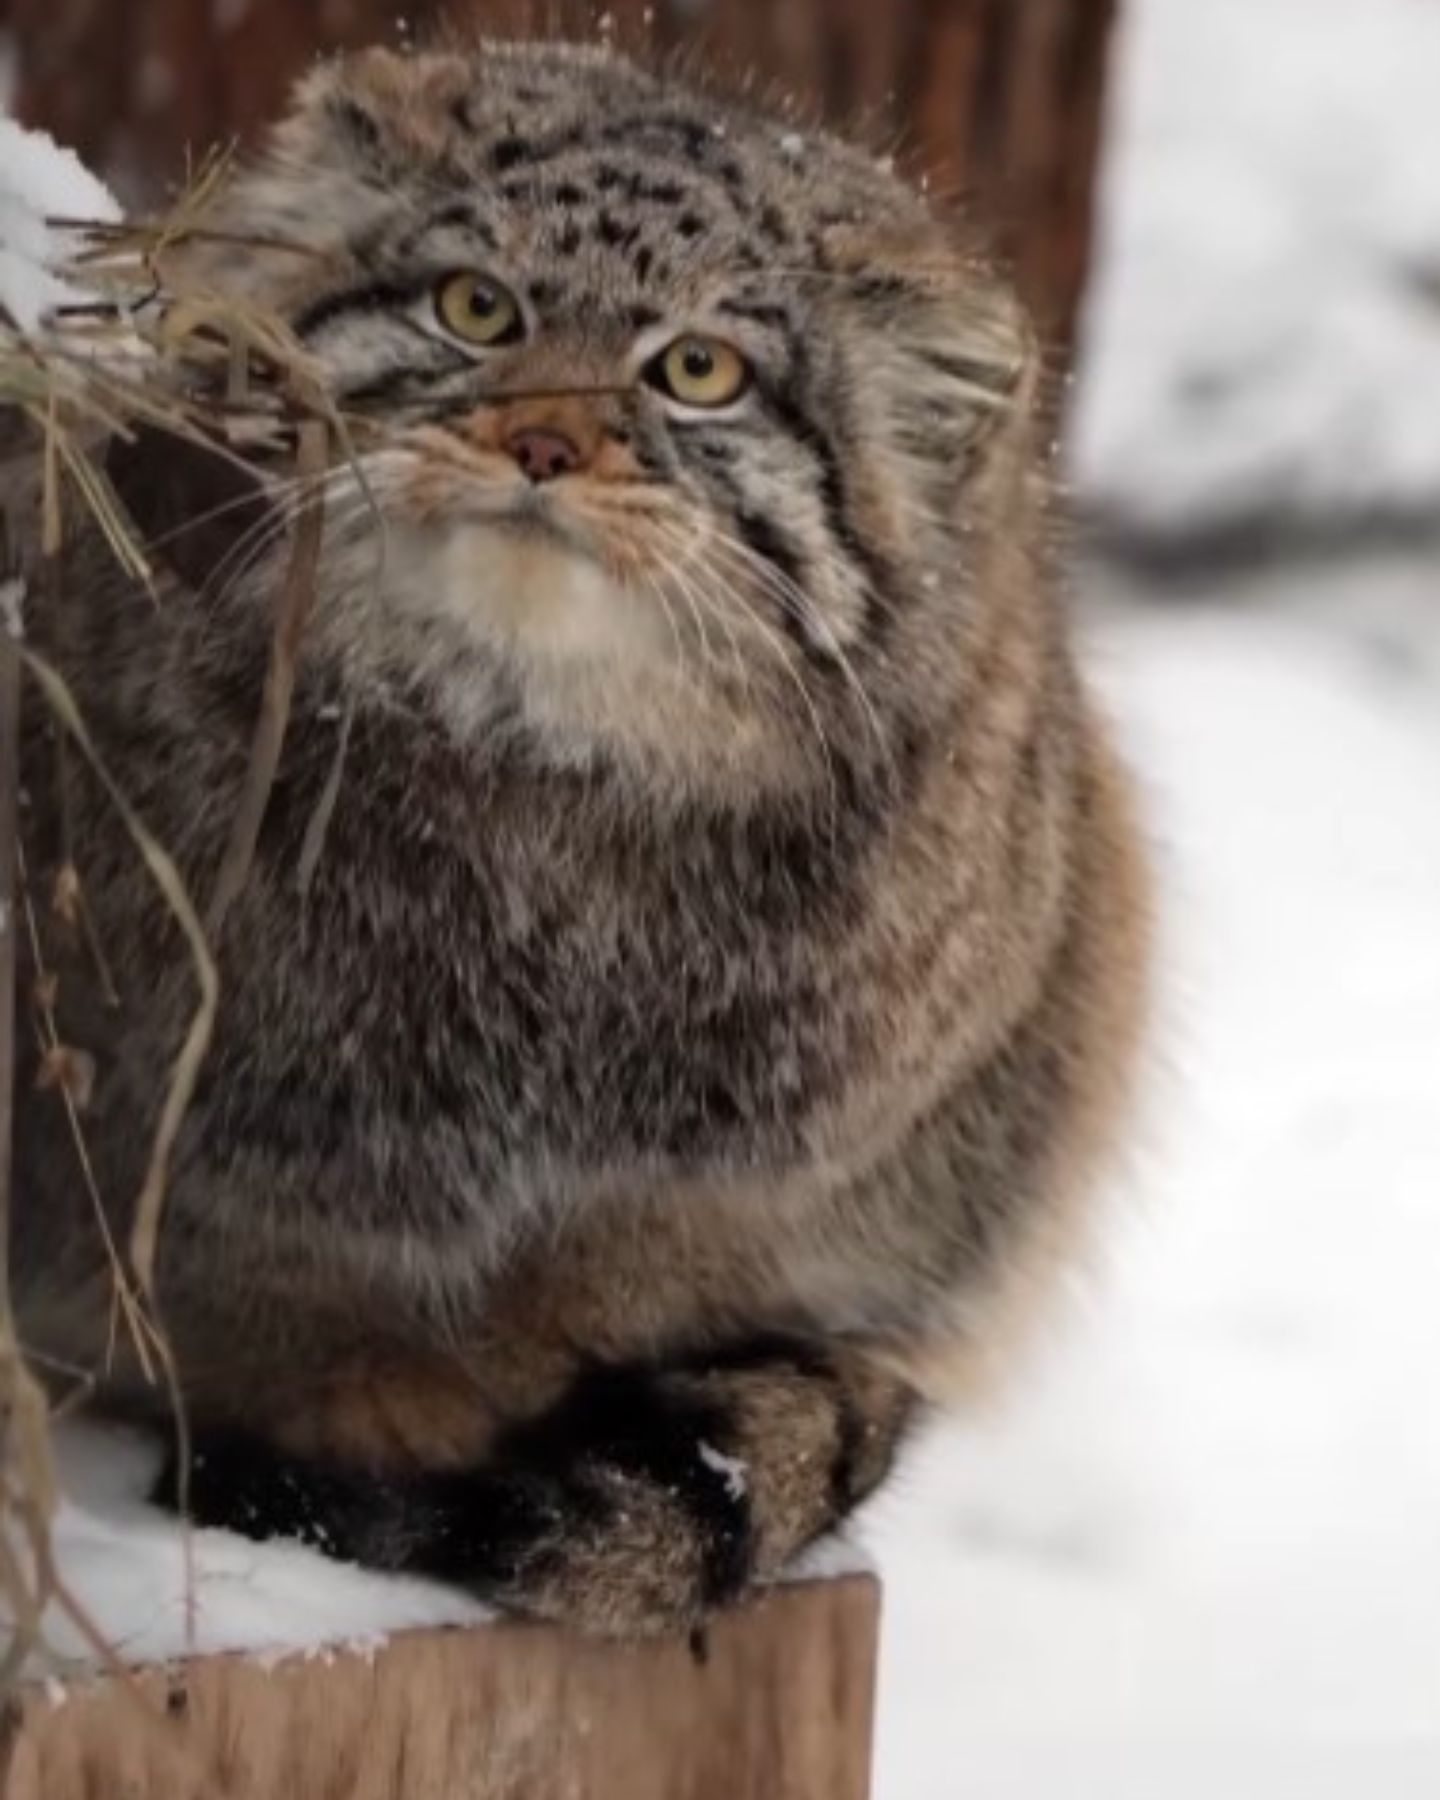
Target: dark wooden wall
{"x": 1000, "y": 99}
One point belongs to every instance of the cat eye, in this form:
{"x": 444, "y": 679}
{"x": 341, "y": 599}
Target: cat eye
{"x": 478, "y": 309}
{"x": 700, "y": 371}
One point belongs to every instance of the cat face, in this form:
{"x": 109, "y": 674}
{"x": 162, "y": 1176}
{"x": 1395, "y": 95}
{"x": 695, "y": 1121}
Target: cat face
{"x": 675, "y": 414}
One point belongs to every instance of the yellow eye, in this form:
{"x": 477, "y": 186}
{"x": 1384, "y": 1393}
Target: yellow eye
{"x": 478, "y": 309}
{"x": 700, "y": 371}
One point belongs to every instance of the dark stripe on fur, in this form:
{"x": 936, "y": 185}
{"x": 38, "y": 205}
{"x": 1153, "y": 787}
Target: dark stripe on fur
{"x": 374, "y": 296}
{"x": 794, "y": 415}
{"x": 773, "y": 545}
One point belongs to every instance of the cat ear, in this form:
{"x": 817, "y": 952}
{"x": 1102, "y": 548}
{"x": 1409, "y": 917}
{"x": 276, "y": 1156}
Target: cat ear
{"x": 970, "y": 344}
{"x": 358, "y": 126}
{"x": 374, "y": 109}
{"x": 953, "y": 301}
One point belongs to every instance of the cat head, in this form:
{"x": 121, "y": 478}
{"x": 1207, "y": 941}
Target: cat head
{"x": 689, "y": 428}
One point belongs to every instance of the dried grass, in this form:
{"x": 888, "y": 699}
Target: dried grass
{"x": 222, "y": 374}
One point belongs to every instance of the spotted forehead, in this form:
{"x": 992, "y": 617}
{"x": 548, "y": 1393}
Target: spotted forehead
{"x": 609, "y": 159}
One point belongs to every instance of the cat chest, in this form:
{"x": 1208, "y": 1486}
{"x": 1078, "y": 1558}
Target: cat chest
{"x": 521, "y": 1040}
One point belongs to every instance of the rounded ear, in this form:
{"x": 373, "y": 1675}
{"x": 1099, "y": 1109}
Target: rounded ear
{"x": 358, "y": 125}
{"x": 971, "y": 344}
{"x": 375, "y": 107}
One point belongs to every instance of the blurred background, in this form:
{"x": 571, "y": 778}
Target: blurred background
{"x": 1194, "y": 1548}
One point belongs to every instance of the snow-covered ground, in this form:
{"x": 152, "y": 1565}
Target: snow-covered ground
{"x": 1196, "y": 1552}
{"x": 1264, "y": 334}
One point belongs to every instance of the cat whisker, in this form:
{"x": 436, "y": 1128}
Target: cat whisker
{"x": 793, "y": 598}
{"x": 265, "y": 497}
{"x": 784, "y": 660}
{"x": 252, "y": 545}
{"x": 688, "y": 545}
{"x": 653, "y": 586}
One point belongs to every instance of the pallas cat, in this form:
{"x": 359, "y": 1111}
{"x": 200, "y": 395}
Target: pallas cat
{"x": 692, "y": 1040}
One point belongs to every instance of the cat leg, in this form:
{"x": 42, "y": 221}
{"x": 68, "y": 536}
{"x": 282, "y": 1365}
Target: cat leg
{"x": 645, "y": 1498}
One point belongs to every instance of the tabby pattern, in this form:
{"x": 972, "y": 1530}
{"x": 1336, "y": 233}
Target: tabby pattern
{"x": 720, "y": 980}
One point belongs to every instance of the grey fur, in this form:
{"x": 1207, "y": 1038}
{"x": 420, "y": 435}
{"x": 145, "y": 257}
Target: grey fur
{"x": 766, "y": 957}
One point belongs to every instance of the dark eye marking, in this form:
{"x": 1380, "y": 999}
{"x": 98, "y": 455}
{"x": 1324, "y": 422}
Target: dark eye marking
{"x": 374, "y": 296}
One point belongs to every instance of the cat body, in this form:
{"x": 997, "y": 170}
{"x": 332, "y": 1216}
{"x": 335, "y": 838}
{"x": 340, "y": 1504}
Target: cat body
{"x": 720, "y": 979}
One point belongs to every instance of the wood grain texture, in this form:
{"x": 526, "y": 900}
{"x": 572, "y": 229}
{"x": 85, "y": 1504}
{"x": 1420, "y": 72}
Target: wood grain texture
{"x": 996, "y": 100}
{"x": 781, "y": 1709}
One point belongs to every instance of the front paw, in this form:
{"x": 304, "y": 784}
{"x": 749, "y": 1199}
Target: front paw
{"x": 237, "y": 1481}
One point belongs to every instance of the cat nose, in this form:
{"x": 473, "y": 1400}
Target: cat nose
{"x": 544, "y": 455}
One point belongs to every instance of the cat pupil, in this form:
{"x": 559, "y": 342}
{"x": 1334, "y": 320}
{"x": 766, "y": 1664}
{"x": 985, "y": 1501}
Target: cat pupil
{"x": 699, "y": 363}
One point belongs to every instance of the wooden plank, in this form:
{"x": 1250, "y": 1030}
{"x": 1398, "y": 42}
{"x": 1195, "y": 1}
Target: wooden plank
{"x": 780, "y": 1708}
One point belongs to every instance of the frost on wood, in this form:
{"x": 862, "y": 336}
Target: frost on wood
{"x": 38, "y": 181}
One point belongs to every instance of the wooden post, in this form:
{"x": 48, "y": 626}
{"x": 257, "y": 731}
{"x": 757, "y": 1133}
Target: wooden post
{"x": 778, "y": 1707}
{"x": 999, "y": 100}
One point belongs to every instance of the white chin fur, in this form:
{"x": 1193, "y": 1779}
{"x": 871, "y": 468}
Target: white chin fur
{"x": 528, "y": 590}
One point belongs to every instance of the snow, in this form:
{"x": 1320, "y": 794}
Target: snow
{"x": 1196, "y": 1549}
{"x": 40, "y": 180}
{"x": 126, "y": 1564}
{"x": 1263, "y": 340}
{"x": 730, "y": 1469}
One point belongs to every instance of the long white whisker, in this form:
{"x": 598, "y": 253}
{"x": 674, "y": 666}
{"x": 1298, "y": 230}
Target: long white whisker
{"x": 788, "y": 593}
{"x": 338, "y": 485}
{"x": 251, "y": 546}
{"x": 784, "y": 661}
{"x": 679, "y": 571}
{"x": 265, "y": 495}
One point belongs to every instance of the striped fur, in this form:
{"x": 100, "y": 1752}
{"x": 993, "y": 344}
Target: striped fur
{"x": 722, "y": 979}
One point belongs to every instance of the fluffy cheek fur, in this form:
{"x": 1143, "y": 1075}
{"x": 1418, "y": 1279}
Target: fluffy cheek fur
{"x": 576, "y": 611}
